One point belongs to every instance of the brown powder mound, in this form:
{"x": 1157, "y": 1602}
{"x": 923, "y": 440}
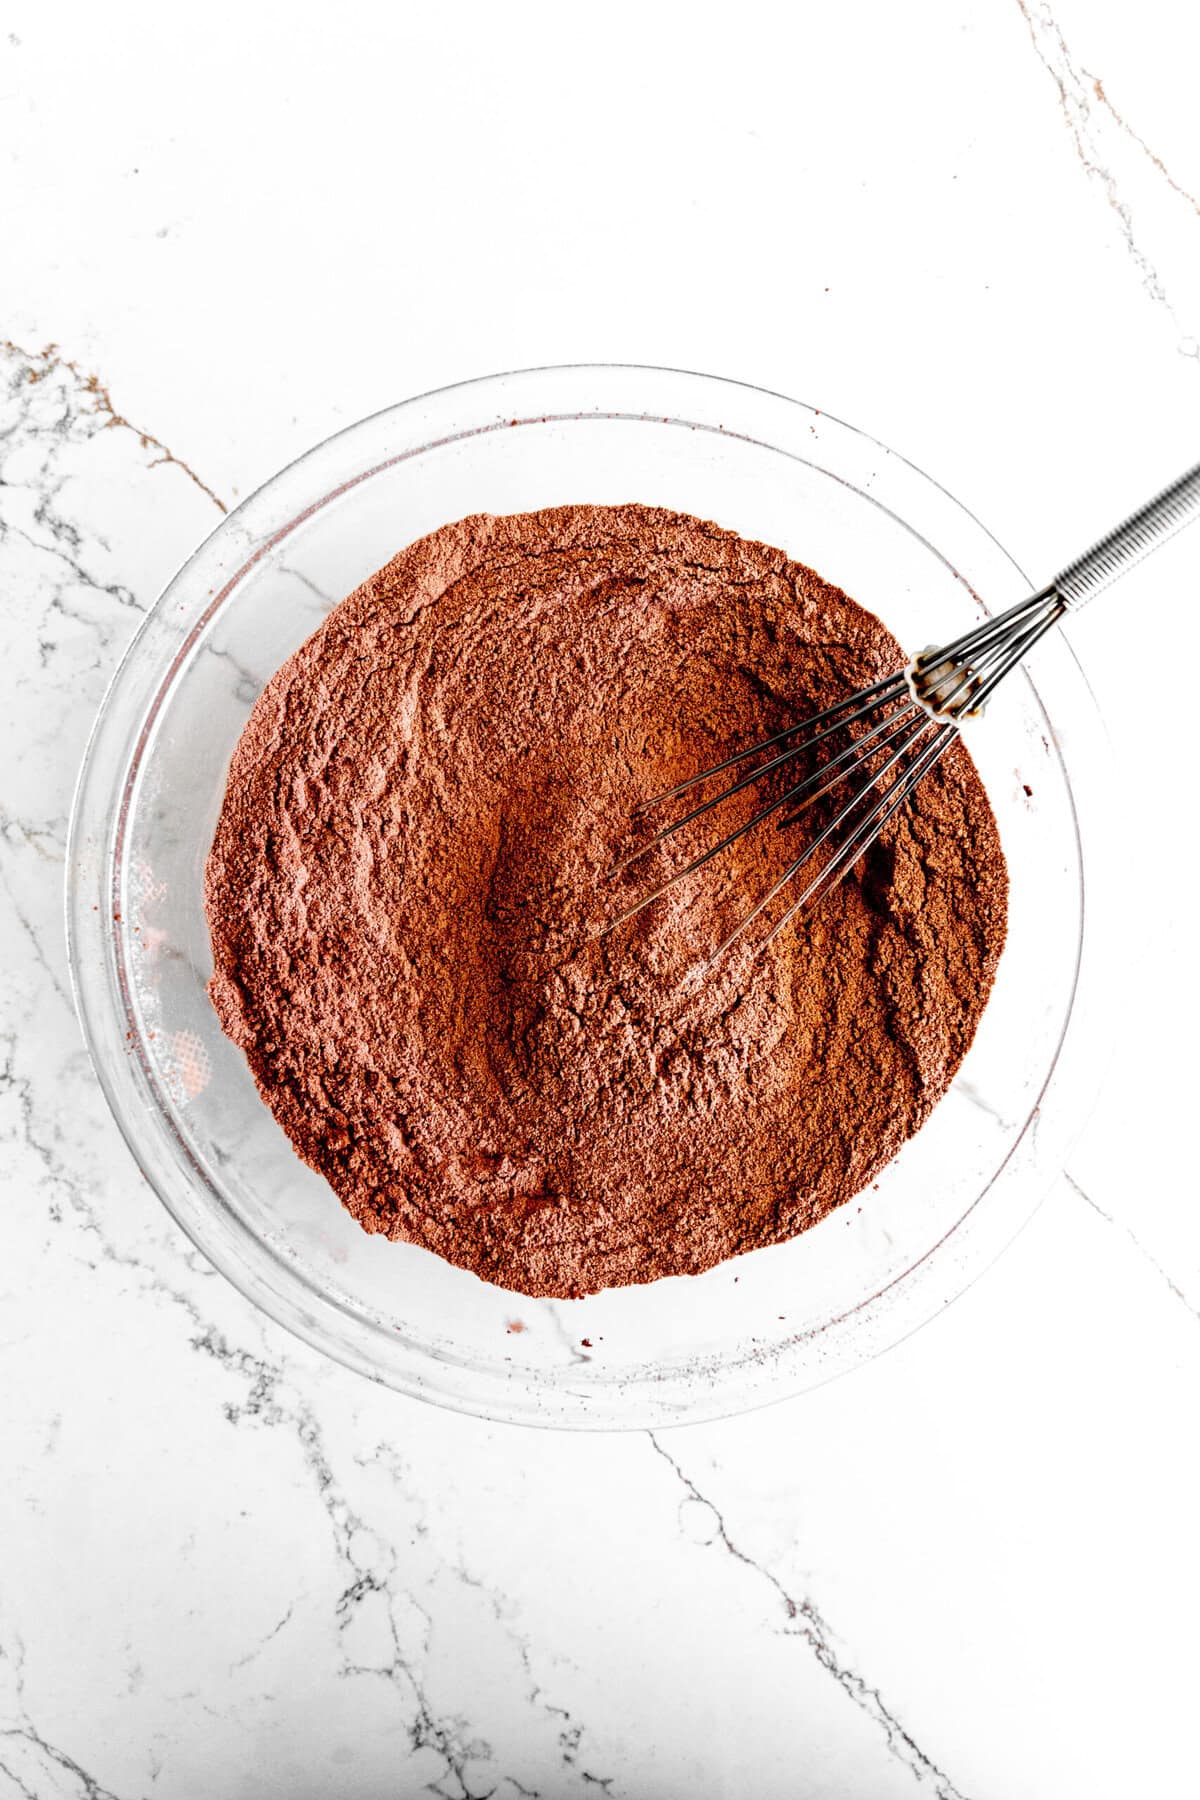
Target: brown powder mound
{"x": 407, "y": 879}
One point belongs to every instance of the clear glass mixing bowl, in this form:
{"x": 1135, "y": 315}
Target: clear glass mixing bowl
{"x": 770, "y": 1323}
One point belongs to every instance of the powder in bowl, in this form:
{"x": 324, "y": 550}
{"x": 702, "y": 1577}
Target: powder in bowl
{"x": 406, "y": 883}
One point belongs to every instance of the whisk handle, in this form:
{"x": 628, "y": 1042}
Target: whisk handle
{"x": 1142, "y": 532}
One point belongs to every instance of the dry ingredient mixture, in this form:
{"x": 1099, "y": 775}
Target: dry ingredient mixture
{"x": 407, "y": 882}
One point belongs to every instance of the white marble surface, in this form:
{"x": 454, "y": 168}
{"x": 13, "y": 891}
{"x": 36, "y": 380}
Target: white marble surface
{"x": 229, "y": 1568}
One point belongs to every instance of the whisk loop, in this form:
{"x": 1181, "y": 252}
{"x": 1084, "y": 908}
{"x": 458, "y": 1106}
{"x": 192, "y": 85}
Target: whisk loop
{"x": 900, "y": 727}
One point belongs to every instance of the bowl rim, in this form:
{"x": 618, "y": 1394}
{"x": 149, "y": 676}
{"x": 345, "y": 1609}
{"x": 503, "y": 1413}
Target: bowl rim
{"x": 94, "y": 867}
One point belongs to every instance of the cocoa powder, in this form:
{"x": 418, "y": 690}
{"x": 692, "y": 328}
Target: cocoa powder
{"x": 407, "y": 883}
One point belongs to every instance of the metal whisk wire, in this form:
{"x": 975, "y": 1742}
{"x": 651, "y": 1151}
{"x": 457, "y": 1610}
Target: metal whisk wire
{"x": 910, "y": 718}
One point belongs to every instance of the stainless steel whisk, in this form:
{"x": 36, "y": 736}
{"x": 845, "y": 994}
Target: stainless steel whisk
{"x": 907, "y": 722}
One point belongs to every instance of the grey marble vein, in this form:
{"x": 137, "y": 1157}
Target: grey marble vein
{"x": 34, "y": 939}
{"x": 90, "y": 398}
{"x": 980, "y": 1100}
{"x": 802, "y": 1620}
{"x": 1119, "y": 1225}
{"x": 1135, "y": 137}
{"x": 1078, "y": 93}
{"x": 26, "y": 1756}
{"x": 570, "y": 1732}
{"x": 267, "y": 1638}
{"x": 50, "y": 1760}
{"x": 270, "y": 1401}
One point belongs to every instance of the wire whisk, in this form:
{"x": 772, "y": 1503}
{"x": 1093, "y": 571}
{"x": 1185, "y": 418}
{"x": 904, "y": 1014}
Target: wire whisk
{"x": 900, "y": 727}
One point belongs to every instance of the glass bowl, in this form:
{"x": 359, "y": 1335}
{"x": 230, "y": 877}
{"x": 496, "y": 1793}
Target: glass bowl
{"x": 757, "y": 1328}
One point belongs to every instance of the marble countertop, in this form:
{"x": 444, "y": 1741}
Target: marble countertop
{"x": 230, "y": 1568}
